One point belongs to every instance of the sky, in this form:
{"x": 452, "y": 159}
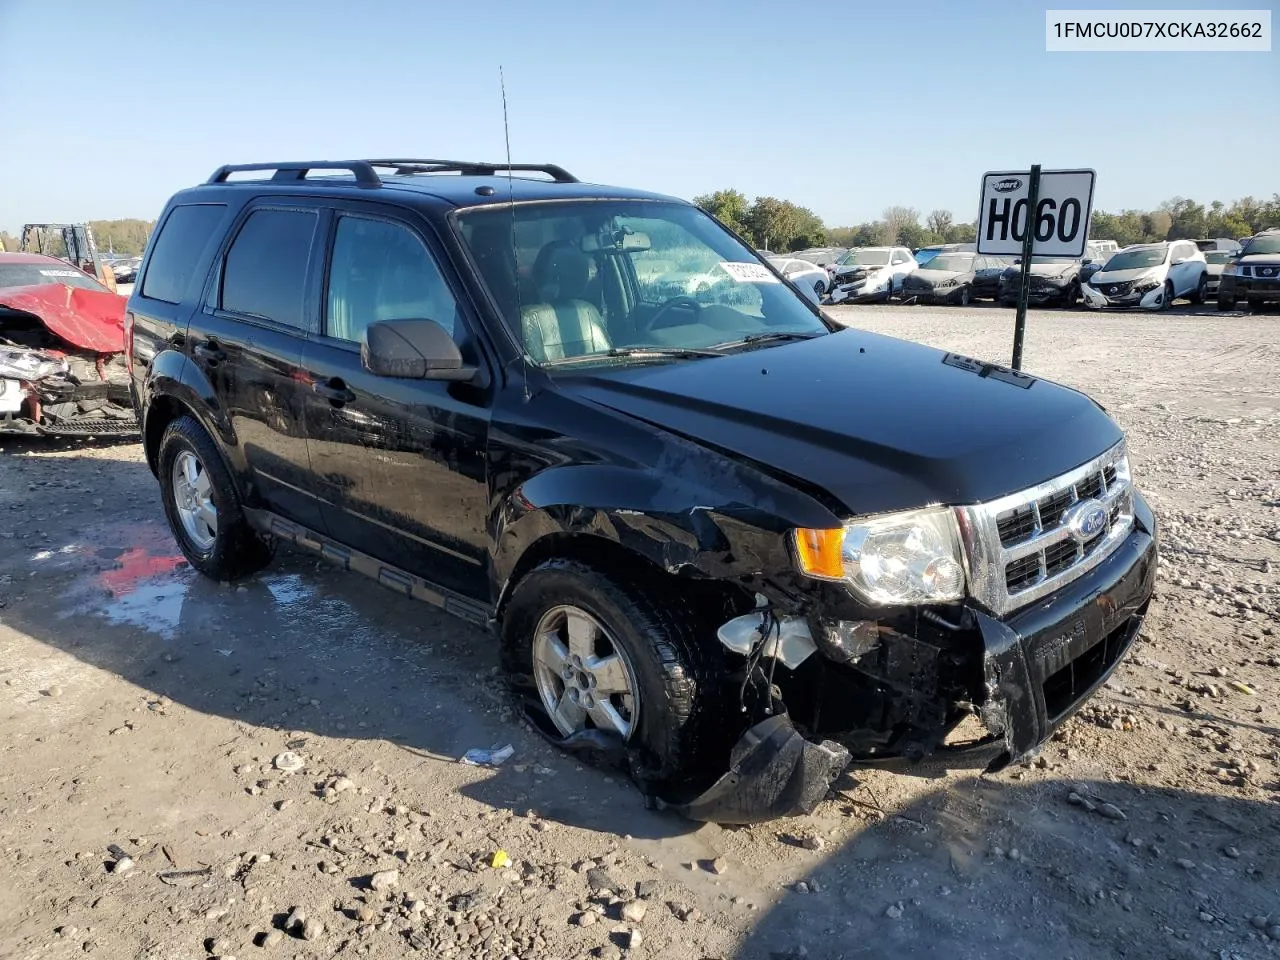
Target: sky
{"x": 846, "y": 108}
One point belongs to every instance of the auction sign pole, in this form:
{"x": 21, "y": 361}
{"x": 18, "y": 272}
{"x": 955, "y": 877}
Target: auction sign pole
{"x": 1035, "y": 213}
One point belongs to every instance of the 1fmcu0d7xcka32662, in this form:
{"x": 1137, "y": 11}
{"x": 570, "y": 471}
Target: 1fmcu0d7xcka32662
{"x": 717, "y": 534}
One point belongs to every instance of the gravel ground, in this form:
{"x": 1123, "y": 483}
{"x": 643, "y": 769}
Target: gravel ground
{"x": 190, "y": 769}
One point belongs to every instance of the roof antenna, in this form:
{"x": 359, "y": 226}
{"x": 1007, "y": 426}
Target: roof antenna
{"x": 515, "y": 258}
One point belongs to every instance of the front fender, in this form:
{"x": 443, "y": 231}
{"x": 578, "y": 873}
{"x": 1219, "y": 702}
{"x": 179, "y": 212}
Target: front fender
{"x": 678, "y": 526}
{"x": 171, "y": 375}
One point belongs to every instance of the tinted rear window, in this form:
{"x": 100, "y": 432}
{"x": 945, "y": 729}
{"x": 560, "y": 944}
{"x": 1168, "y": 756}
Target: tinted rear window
{"x": 266, "y": 268}
{"x": 177, "y": 250}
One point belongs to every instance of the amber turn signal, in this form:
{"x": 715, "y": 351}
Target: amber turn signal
{"x": 818, "y": 552}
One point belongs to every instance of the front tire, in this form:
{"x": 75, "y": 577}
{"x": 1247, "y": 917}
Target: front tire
{"x": 203, "y": 507}
{"x": 1071, "y": 297}
{"x": 1226, "y": 302}
{"x": 1166, "y": 298}
{"x": 579, "y": 633}
{"x": 965, "y": 296}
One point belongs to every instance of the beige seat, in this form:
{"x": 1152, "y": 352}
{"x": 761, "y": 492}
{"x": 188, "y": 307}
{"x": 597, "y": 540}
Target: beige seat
{"x": 562, "y": 325}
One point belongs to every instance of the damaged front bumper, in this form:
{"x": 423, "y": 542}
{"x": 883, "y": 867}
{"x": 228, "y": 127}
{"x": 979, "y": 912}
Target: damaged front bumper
{"x": 49, "y": 393}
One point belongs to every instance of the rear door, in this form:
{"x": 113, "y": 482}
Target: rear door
{"x": 400, "y": 462}
{"x": 247, "y": 338}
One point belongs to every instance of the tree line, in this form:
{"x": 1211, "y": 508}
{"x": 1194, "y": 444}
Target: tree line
{"x": 782, "y": 226}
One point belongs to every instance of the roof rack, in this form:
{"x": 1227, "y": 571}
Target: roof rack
{"x": 295, "y": 171}
{"x": 469, "y": 168}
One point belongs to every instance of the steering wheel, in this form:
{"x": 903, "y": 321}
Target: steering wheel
{"x": 675, "y": 303}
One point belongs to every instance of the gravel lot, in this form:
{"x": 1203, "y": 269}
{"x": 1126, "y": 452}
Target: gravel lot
{"x": 264, "y": 754}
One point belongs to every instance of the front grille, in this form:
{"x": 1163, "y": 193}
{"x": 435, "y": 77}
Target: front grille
{"x": 1115, "y": 289}
{"x": 1031, "y": 543}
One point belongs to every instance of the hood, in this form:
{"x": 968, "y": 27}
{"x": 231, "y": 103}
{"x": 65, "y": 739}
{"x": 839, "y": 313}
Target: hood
{"x": 875, "y": 422}
{"x": 931, "y": 278}
{"x": 88, "y": 319}
{"x": 1260, "y": 259}
{"x": 1047, "y": 270}
{"x": 857, "y": 269}
{"x": 1122, "y": 276}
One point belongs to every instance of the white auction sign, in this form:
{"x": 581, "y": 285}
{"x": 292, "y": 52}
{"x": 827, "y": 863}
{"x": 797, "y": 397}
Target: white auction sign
{"x": 1061, "y": 220}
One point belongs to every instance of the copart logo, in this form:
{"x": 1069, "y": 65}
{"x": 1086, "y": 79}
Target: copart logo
{"x": 1085, "y": 520}
{"x": 1007, "y": 185}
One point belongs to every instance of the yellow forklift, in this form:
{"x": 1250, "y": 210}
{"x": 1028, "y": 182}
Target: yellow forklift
{"x": 72, "y": 242}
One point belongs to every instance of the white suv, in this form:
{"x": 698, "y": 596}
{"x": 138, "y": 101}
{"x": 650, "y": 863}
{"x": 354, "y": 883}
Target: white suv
{"x": 870, "y": 273}
{"x": 1150, "y": 276}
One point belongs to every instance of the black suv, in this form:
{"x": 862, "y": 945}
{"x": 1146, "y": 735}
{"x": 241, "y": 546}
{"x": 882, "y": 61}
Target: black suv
{"x": 1254, "y": 274}
{"x": 720, "y": 539}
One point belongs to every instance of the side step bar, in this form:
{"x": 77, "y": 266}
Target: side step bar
{"x": 273, "y": 525}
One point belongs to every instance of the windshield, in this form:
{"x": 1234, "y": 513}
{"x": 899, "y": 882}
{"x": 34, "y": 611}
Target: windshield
{"x": 30, "y": 274}
{"x": 866, "y": 258}
{"x": 925, "y": 255}
{"x": 584, "y": 278}
{"x": 1219, "y": 256}
{"x": 952, "y": 262}
{"x": 1268, "y": 244}
{"x": 1136, "y": 259}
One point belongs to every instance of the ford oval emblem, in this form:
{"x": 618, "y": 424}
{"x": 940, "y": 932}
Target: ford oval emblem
{"x": 1007, "y": 185}
{"x": 1085, "y": 520}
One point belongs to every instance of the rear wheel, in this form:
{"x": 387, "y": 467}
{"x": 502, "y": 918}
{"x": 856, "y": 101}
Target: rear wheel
{"x": 203, "y": 507}
{"x": 604, "y": 653}
{"x": 1201, "y": 291}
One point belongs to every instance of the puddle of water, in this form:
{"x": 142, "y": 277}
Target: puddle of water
{"x": 154, "y": 605}
{"x": 288, "y": 588}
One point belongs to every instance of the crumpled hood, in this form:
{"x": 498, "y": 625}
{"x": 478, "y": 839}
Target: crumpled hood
{"x": 931, "y": 278}
{"x": 88, "y": 319}
{"x": 1120, "y": 276}
{"x": 878, "y": 423}
{"x": 1052, "y": 271}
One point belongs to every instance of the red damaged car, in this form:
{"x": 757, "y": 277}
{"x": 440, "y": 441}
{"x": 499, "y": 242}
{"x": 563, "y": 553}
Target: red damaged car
{"x": 62, "y": 363}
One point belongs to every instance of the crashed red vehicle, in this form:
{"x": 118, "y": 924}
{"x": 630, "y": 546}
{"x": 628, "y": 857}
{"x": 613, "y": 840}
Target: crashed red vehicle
{"x": 62, "y": 363}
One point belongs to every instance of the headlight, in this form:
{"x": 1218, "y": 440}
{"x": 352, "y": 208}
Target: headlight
{"x": 1145, "y": 286}
{"x": 946, "y": 283}
{"x": 898, "y": 558}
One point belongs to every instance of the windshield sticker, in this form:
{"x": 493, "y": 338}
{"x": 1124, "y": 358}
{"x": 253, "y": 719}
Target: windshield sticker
{"x": 59, "y": 273}
{"x": 749, "y": 272}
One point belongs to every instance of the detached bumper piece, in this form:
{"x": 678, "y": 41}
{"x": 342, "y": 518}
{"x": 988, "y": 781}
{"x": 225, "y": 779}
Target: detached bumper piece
{"x": 1040, "y": 666}
{"x": 773, "y": 772}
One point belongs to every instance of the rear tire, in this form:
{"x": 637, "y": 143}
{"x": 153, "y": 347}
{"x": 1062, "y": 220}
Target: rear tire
{"x": 1201, "y": 291}
{"x": 227, "y": 549}
{"x": 677, "y": 718}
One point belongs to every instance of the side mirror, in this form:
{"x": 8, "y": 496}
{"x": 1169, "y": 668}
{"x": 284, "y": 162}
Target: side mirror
{"x": 414, "y": 349}
{"x": 1086, "y": 261}
{"x": 1177, "y": 261}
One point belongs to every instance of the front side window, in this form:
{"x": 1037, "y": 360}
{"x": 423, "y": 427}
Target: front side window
{"x": 584, "y": 278}
{"x": 265, "y": 272}
{"x": 382, "y": 271}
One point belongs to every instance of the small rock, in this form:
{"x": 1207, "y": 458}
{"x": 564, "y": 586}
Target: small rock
{"x": 894, "y": 912}
{"x": 1273, "y": 931}
{"x": 646, "y": 889}
{"x": 802, "y": 887}
{"x": 633, "y": 911}
{"x": 296, "y": 918}
{"x": 1111, "y": 811}
{"x": 1186, "y": 864}
{"x": 585, "y": 919}
{"x": 365, "y": 914}
{"x": 608, "y": 952}
{"x": 1231, "y": 853}
{"x": 634, "y": 939}
{"x": 312, "y": 929}
{"x": 122, "y": 866}
{"x": 598, "y": 879}
{"x": 384, "y": 879}
{"x": 719, "y": 866}
{"x": 270, "y": 938}
{"x": 288, "y": 762}
{"x": 813, "y": 842}
{"x": 1260, "y": 922}
{"x": 53, "y": 691}
{"x": 217, "y": 945}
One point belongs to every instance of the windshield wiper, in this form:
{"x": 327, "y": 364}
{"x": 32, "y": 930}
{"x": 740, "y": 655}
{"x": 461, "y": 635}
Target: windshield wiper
{"x": 639, "y": 352}
{"x": 753, "y": 338}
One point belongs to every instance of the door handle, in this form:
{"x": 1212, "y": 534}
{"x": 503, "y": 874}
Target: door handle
{"x": 210, "y": 351}
{"x": 334, "y": 390}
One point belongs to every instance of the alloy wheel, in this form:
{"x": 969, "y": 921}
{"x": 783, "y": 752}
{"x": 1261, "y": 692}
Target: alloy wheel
{"x": 583, "y": 676}
{"x": 193, "y": 501}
